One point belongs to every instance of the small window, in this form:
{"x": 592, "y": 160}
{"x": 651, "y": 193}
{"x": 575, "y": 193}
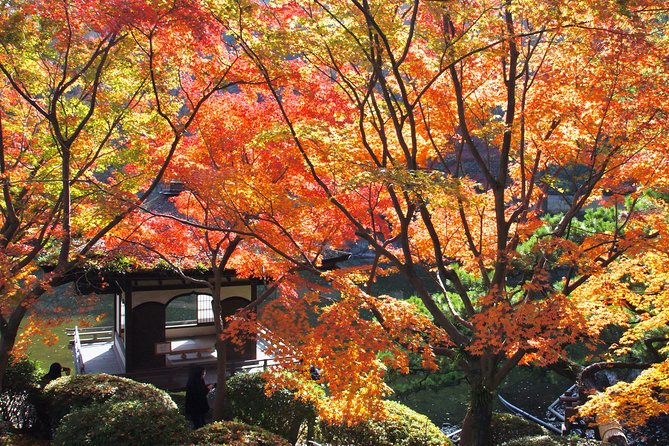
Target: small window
{"x": 190, "y": 309}
{"x": 205, "y": 313}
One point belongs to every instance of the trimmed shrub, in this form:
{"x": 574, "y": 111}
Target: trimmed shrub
{"x": 179, "y": 399}
{"x": 72, "y": 392}
{"x": 403, "y": 427}
{"x": 21, "y": 395}
{"x": 21, "y": 374}
{"x": 9, "y": 438}
{"x": 507, "y": 427}
{"x": 279, "y": 413}
{"x": 512, "y": 430}
{"x": 550, "y": 440}
{"x": 230, "y": 433}
{"x": 542, "y": 440}
{"x": 129, "y": 423}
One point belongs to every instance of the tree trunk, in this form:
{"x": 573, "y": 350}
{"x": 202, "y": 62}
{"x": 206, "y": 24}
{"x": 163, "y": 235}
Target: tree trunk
{"x": 6, "y": 347}
{"x": 221, "y": 371}
{"x": 476, "y": 430}
{"x": 221, "y": 347}
{"x": 8, "y": 333}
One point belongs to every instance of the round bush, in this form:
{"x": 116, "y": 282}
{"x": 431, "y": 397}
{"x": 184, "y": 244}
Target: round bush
{"x": 21, "y": 373}
{"x": 512, "y": 430}
{"x": 21, "y": 399}
{"x": 403, "y": 427}
{"x": 550, "y": 440}
{"x": 71, "y": 392}
{"x": 279, "y": 413}
{"x": 9, "y": 438}
{"x": 127, "y": 423}
{"x": 229, "y": 433}
{"x": 506, "y": 427}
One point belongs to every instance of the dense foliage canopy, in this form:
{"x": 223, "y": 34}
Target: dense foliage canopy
{"x": 459, "y": 143}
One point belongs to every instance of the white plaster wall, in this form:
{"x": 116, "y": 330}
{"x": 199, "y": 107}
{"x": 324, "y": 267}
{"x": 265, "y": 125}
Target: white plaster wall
{"x": 164, "y": 296}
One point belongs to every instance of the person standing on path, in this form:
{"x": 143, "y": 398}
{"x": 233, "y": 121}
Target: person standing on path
{"x": 197, "y": 405}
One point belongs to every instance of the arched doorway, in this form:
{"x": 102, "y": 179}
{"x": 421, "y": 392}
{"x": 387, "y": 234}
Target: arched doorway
{"x": 148, "y": 328}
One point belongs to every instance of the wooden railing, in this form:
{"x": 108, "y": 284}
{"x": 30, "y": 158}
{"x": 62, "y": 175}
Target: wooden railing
{"x": 249, "y": 364}
{"x": 77, "y": 357}
{"x": 175, "y": 378}
{"x": 89, "y": 335}
{"x": 86, "y": 335}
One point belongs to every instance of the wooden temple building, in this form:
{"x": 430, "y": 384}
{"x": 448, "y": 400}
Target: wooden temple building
{"x": 163, "y": 323}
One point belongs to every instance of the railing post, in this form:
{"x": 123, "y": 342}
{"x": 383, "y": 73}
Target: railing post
{"x": 77, "y": 357}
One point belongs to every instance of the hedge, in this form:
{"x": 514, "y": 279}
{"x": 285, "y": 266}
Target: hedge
{"x": 403, "y": 427}
{"x": 550, "y": 440}
{"x": 280, "y": 413}
{"x": 230, "y": 433}
{"x": 21, "y": 396}
{"x": 511, "y": 430}
{"x": 72, "y": 392}
{"x": 506, "y": 427}
{"x": 22, "y": 373}
{"x": 9, "y": 438}
{"x": 128, "y": 423}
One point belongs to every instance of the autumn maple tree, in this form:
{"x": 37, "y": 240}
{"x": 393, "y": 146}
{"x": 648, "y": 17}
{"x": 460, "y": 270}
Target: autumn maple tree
{"x": 246, "y": 207}
{"x": 439, "y": 132}
{"x": 94, "y": 103}
{"x": 633, "y": 293}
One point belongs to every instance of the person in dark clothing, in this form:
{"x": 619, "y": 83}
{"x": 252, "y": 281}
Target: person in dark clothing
{"x": 197, "y": 405}
{"x": 55, "y": 372}
{"x": 43, "y": 424}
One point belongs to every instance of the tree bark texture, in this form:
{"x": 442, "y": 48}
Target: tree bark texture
{"x": 476, "y": 429}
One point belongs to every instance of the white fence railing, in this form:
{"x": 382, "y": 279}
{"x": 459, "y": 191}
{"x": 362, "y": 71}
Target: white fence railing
{"x": 88, "y": 335}
{"x": 77, "y": 357}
